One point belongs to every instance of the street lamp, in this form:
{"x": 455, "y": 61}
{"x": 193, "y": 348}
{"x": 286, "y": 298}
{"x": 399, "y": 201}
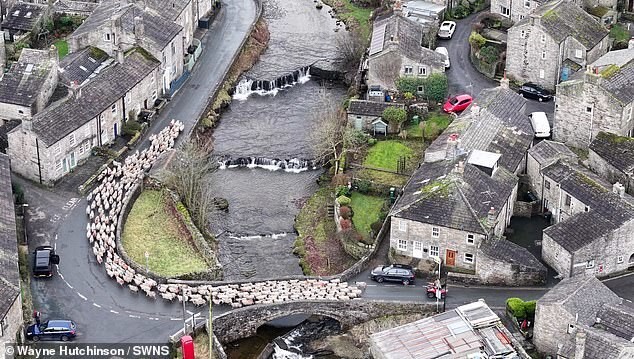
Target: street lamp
{"x": 184, "y": 297}
{"x": 439, "y": 286}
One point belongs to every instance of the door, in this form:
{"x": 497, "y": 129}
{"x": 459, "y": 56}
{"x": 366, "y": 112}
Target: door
{"x": 115, "y": 130}
{"x": 358, "y": 123}
{"x": 418, "y": 250}
{"x": 450, "y": 258}
{"x": 65, "y": 165}
{"x": 72, "y": 161}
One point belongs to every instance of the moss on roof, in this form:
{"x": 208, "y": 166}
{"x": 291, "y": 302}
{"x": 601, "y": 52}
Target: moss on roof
{"x": 437, "y": 187}
{"x": 614, "y": 139}
{"x": 598, "y": 11}
{"x": 609, "y": 71}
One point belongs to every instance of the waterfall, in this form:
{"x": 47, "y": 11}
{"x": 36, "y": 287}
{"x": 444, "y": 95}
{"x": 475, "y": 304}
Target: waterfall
{"x": 246, "y": 86}
{"x": 294, "y": 165}
{"x": 256, "y": 236}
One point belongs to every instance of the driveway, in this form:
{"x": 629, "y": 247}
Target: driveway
{"x": 81, "y": 290}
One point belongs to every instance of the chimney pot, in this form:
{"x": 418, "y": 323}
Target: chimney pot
{"x": 580, "y": 344}
{"x": 491, "y": 217}
{"x": 452, "y": 146}
{"x": 619, "y": 189}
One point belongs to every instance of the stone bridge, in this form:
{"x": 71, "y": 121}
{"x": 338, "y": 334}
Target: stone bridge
{"x": 244, "y": 322}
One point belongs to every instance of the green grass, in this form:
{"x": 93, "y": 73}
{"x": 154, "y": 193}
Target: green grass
{"x": 151, "y": 228}
{"x": 62, "y": 48}
{"x": 366, "y": 211}
{"x": 434, "y": 124}
{"x": 201, "y": 347}
{"x": 385, "y": 154}
{"x": 619, "y": 33}
{"x": 352, "y": 15}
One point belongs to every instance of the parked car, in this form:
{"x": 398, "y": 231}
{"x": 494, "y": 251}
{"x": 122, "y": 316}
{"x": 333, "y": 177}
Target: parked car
{"x": 443, "y": 51}
{"x": 540, "y": 124}
{"x": 457, "y": 103}
{"x": 446, "y": 29}
{"x": 63, "y": 330}
{"x": 43, "y": 259}
{"x": 531, "y": 90}
{"x": 393, "y": 273}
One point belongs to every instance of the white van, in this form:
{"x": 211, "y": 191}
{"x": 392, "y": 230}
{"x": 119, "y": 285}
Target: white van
{"x": 443, "y": 51}
{"x": 540, "y": 124}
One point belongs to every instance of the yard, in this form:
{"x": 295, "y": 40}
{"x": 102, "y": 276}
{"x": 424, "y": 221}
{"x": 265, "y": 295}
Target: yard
{"x": 431, "y": 127}
{"x": 62, "y": 48}
{"x": 367, "y": 210}
{"x": 150, "y": 228}
{"x": 381, "y": 161}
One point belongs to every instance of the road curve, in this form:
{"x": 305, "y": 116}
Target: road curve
{"x": 103, "y": 311}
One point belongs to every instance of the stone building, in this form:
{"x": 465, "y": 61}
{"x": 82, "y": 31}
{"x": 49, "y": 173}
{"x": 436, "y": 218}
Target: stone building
{"x": 494, "y": 123}
{"x": 10, "y": 298}
{"x": 611, "y": 157}
{"x": 24, "y": 18}
{"x": 540, "y": 156}
{"x": 58, "y": 138}
{"x": 396, "y": 51}
{"x": 117, "y": 26}
{"x": 593, "y": 226}
{"x": 367, "y": 116}
{"x": 581, "y": 318}
{"x": 28, "y": 85}
{"x": 600, "y": 99}
{"x": 79, "y": 67}
{"x": 515, "y": 10}
{"x": 74, "y": 8}
{"x": 553, "y": 41}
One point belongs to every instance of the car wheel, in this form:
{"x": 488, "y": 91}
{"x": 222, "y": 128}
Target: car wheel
{"x": 64, "y": 338}
{"x": 430, "y": 295}
{"x": 540, "y": 99}
{"x": 36, "y": 338}
{"x": 379, "y": 279}
{"x": 405, "y": 282}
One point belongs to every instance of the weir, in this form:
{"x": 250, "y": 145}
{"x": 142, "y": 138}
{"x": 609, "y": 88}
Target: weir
{"x": 247, "y": 86}
{"x": 295, "y": 165}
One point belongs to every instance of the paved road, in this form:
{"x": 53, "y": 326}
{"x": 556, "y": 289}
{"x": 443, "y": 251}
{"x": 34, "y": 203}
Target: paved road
{"x": 103, "y": 311}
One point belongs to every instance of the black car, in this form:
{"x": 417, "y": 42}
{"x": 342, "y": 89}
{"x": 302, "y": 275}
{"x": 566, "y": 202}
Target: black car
{"x": 394, "y": 273}
{"x": 531, "y": 90}
{"x": 43, "y": 259}
{"x": 63, "y": 330}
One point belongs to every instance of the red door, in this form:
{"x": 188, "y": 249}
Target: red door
{"x": 450, "y": 258}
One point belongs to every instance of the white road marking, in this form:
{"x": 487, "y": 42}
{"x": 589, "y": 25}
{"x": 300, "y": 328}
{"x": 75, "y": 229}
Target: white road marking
{"x": 134, "y": 316}
{"x": 114, "y": 311}
{"x": 627, "y": 300}
{"x": 96, "y": 305}
{"x": 81, "y": 296}
{"x": 69, "y": 286}
{"x": 175, "y": 319}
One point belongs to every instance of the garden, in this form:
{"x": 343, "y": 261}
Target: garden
{"x": 522, "y": 313}
{"x": 488, "y": 43}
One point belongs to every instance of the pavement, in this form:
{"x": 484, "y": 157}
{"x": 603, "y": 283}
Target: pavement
{"x": 80, "y": 290}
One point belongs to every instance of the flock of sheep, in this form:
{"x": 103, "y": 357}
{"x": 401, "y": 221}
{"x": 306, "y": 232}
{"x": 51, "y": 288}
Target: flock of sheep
{"x": 105, "y": 205}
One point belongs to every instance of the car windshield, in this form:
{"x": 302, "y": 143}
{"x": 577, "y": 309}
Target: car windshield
{"x": 453, "y": 100}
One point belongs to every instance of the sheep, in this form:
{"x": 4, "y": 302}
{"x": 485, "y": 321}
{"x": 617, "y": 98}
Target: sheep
{"x": 198, "y": 301}
{"x": 168, "y": 296}
{"x": 151, "y": 294}
{"x": 133, "y": 288}
{"x": 120, "y": 281}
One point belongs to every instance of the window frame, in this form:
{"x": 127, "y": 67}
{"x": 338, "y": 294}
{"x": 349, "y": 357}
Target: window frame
{"x": 469, "y": 261}
{"x": 431, "y": 251}
{"x": 505, "y": 11}
{"x": 435, "y": 232}
{"x": 107, "y": 37}
{"x": 113, "y": 108}
{"x": 470, "y": 239}
{"x": 620, "y": 259}
{"x": 72, "y": 140}
{"x": 547, "y": 184}
{"x": 590, "y": 264}
{"x": 542, "y": 74}
{"x": 579, "y": 53}
{"x": 408, "y": 70}
{"x": 422, "y": 71}
{"x": 58, "y": 148}
{"x": 527, "y": 4}
{"x": 402, "y": 225}
{"x": 543, "y": 55}
{"x": 400, "y": 244}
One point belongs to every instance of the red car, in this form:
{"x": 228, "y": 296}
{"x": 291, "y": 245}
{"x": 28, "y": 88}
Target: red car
{"x": 457, "y": 103}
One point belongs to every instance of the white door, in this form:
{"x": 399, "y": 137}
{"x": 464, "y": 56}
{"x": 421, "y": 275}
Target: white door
{"x": 418, "y": 249}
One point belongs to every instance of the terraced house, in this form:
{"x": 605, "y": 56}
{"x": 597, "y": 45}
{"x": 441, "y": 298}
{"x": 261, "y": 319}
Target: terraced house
{"x": 553, "y": 42}
{"x": 612, "y": 157}
{"x": 598, "y": 99}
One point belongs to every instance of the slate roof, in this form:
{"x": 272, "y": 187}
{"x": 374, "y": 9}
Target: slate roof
{"x": 618, "y": 320}
{"x": 607, "y": 210}
{"x": 436, "y": 195}
{"x": 170, "y": 9}
{"x": 616, "y": 150}
{"x": 55, "y": 122}
{"x": 604, "y": 345}
{"x": 157, "y": 30}
{"x": 562, "y": 18}
{"x": 621, "y": 84}
{"x": 500, "y": 126}
{"x": 582, "y": 294}
{"x": 21, "y": 85}
{"x": 614, "y": 57}
{"x": 9, "y": 273}
{"x": 82, "y": 65}
{"x": 72, "y": 6}
{"x": 547, "y": 152}
{"x": 409, "y": 35}
{"x": 23, "y": 16}
{"x": 370, "y": 108}
{"x": 507, "y": 251}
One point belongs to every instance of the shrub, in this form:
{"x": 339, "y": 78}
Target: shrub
{"x": 343, "y": 200}
{"x": 460, "y": 12}
{"x": 131, "y": 127}
{"x": 394, "y": 115}
{"x": 489, "y": 54}
{"x": 346, "y": 224}
{"x": 409, "y": 96}
{"x": 516, "y": 307}
{"x": 342, "y": 191}
{"x": 436, "y": 87}
{"x": 376, "y": 226}
{"x": 409, "y": 84}
{"x": 529, "y": 307}
{"x": 364, "y": 186}
{"x": 345, "y": 212}
{"x": 476, "y": 40}
{"x": 371, "y": 141}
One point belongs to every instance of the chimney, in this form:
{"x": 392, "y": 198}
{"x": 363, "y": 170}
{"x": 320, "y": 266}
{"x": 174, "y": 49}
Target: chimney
{"x": 619, "y": 189}
{"x": 141, "y": 4}
{"x": 491, "y": 217}
{"x": 630, "y": 44}
{"x": 53, "y": 54}
{"x": 580, "y": 344}
{"x": 452, "y": 146}
{"x": 504, "y": 82}
{"x": 27, "y": 124}
{"x": 398, "y": 7}
{"x": 459, "y": 169}
{"x": 475, "y": 109}
{"x": 75, "y": 89}
{"x": 139, "y": 28}
{"x": 119, "y": 55}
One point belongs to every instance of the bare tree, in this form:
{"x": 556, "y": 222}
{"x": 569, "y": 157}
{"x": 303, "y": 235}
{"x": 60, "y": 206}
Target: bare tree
{"x": 387, "y": 68}
{"x": 350, "y": 48}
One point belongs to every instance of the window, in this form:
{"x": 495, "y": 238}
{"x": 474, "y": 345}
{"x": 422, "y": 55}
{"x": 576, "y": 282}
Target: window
{"x": 619, "y": 259}
{"x": 58, "y": 166}
{"x": 543, "y": 38}
{"x": 114, "y": 108}
{"x": 543, "y": 55}
{"x": 422, "y": 71}
{"x": 589, "y": 109}
{"x": 58, "y": 148}
{"x": 527, "y": 4}
{"x": 435, "y": 232}
{"x": 421, "y": 89}
{"x": 408, "y": 70}
{"x": 173, "y": 49}
{"x": 590, "y": 264}
{"x": 567, "y": 200}
{"x": 87, "y": 131}
{"x": 71, "y": 140}
{"x": 522, "y": 17}
{"x": 470, "y": 239}
{"x": 468, "y": 258}
{"x": 578, "y": 53}
{"x": 154, "y": 95}
{"x": 523, "y": 34}
{"x": 587, "y": 209}
{"x": 571, "y": 328}
{"x": 164, "y": 60}
{"x": 106, "y": 37}
{"x": 541, "y": 74}
{"x": 433, "y": 251}
{"x": 547, "y": 184}
{"x": 402, "y": 245}
{"x": 402, "y": 226}
{"x": 505, "y": 11}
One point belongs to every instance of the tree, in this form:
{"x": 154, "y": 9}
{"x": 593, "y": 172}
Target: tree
{"x": 395, "y": 115}
{"x": 489, "y": 54}
{"x": 331, "y": 134}
{"x": 409, "y": 84}
{"x": 476, "y": 40}
{"x": 387, "y": 68}
{"x": 436, "y": 87}
{"x": 350, "y": 48}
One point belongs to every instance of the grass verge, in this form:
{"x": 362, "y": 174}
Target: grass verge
{"x": 367, "y": 210}
{"x": 25, "y": 283}
{"x": 150, "y": 228}
{"x": 62, "y": 48}
{"x": 201, "y": 347}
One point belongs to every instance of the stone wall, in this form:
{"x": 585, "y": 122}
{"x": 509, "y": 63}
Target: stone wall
{"x": 551, "y": 327}
{"x": 494, "y": 271}
{"x": 244, "y": 322}
{"x": 609, "y": 172}
{"x": 12, "y": 323}
{"x": 525, "y": 209}
{"x": 556, "y": 256}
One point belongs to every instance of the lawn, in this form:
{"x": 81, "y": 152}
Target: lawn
{"x": 385, "y": 154}
{"x": 151, "y": 228}
{"x": 434, "y": 124}
{"x": 352, "y": 15}
{"x": 366, "y": 211}
{"x": 62, "y": 48}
